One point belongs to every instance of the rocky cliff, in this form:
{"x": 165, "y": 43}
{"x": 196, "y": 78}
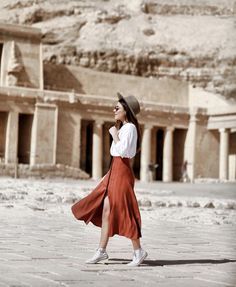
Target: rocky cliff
{"x": 182, "y": 39}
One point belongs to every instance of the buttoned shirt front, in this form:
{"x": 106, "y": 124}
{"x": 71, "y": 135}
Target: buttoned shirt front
{"x": 127, "y": 145}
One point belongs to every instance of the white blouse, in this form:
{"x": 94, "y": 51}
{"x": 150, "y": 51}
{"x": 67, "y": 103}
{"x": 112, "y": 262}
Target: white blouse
{"x": 126, "y": 146}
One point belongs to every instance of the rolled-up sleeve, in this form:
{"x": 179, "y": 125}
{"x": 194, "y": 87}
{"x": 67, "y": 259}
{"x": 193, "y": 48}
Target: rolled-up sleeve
{"x": 128, "y": 142}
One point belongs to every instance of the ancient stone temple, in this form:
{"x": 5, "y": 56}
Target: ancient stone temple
{"x": 55, "y": 118}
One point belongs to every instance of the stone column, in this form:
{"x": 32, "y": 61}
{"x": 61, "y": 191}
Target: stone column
{"x": 97, "y": 149}
{"x": 83, "y": 146}
{"x": 224, "y": 153}
{"x": 76, "y": 141}
{"x": 190, "y": 146}
{"x": 44, "y": 134}
{"x": 12, "y": 137}
{"x": 106, "y": 146}
{"x": 167, "y": 175}
{"x": 145, "y": 153}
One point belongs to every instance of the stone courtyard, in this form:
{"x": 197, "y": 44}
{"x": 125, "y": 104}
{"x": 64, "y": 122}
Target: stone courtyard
{"x": 61, "y": 67}
{"x": 188, "y": 231}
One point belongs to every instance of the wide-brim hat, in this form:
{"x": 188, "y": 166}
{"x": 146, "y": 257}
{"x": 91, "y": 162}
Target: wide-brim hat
{"x": 131, "y": 102}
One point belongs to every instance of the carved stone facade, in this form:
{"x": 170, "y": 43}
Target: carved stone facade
{"x": 186, "y": 133}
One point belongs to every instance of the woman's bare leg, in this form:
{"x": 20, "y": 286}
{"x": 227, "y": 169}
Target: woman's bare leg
{"x": 139, "y": 254}
{"x": 136, "y": 243}
{"x": 101, "y": 253}
{"x": 105, "y": 224}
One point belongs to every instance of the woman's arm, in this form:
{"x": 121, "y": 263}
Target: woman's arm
{"x": 127, "y": 141}
{"x": 114, "y": 133}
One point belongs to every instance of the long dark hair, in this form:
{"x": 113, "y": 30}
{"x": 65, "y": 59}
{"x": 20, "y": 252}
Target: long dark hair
{"x": 131, "y": 119}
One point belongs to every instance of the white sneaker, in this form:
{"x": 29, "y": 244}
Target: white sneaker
{"x": 138, "y": 258}
{"x": 99, "y": 255}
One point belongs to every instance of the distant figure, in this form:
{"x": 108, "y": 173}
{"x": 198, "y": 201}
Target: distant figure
{"x": 112, "y": 205}
{"x": 184, "y": 173}
{"x": 151, "y": 169}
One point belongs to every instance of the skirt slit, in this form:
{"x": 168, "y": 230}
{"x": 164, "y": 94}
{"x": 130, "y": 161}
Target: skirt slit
{"x": 118, "y": 185}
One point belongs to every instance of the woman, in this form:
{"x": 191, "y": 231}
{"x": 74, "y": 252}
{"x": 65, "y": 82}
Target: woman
{"x": 112, "y": 205}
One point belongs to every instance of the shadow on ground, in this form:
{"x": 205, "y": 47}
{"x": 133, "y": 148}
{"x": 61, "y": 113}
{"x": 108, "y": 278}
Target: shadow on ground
{"x": 171, "y": 262}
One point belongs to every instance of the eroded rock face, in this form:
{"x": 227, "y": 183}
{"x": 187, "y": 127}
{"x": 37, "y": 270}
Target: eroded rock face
{"x": 188, "y": 40}
{"x": 167, "y": 7}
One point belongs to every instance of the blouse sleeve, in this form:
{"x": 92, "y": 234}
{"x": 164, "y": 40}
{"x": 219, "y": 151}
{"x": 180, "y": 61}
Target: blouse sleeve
{"x": 127, "y": 142}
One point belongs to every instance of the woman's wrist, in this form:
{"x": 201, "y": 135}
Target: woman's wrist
{"x": 114, "y": 133}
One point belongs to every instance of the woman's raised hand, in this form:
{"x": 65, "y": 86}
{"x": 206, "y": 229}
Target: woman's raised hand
{"x": 113, "y": 131}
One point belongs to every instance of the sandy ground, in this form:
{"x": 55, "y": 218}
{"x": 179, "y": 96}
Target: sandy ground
{"x": 187, "y": 229}
{"x": 198, "y": 204}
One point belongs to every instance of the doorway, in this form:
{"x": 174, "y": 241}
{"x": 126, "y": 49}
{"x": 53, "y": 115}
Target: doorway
{"x": 232, "y": 157}
{"x": 136, "y": 165}
{"x": 159, "y": 153}
{"x": 1, "y": 49}
{"x": 3, "y": 129}
{"x": 178, "y": 153}
{"x": 107, "y": 140}
{"x": 24, "y": 138}
{"x": 86, "y": 146}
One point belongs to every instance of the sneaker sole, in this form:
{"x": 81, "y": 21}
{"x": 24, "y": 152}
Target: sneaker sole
{"x": 140, "y": 261}
{"x": 98, "y": 260}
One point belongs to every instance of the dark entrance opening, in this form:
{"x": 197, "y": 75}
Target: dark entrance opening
{"x": 178, "y": 153}
{"x": 159, "y": 153}
{"x": 3, "y": 128}
{"x": 232, "y": 156}
{"x": 1, "y": 49}
{"x": 86, "y": 146}
{"x": 136, "y": 165}
{"x": 107, "y": 141}
{"x": 24, "y": 137}
{"x": 136, "y": 161}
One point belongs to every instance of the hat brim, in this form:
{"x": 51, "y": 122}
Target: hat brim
{"x": 120, "y": 97}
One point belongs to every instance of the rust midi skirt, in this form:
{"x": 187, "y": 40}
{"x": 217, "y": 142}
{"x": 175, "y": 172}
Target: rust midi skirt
{"x": 118, "y": 185}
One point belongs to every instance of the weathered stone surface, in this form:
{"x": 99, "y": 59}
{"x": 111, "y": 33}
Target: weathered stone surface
{"x": 186, "y": 8}
{"x": 209, "y": 205}
{"x": 181, "y": 40}
{"x": 145, "y": 202}
{"x": 42, "y": 171}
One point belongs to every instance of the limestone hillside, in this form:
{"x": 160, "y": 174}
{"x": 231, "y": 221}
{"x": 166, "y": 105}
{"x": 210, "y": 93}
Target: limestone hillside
{"x": 182, "y": 39}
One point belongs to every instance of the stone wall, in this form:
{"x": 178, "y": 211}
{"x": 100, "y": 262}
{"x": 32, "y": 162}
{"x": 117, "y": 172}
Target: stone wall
{"x": 44, "y": 134}
{"x": 42, "y": 171}
{"x": 167, "y": 91}
{"x": 187, "y": 40}
{"x": 68, "y": 137}
{"x": 200, "y": 98}
{"x": 202, "y": 71}
{"x": 207, "y": 152}
{"x": 21, "y": 57}
{"x": 189, "y": 7}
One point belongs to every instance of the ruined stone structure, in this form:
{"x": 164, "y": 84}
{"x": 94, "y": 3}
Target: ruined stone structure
{"x": 56, "y": 118}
